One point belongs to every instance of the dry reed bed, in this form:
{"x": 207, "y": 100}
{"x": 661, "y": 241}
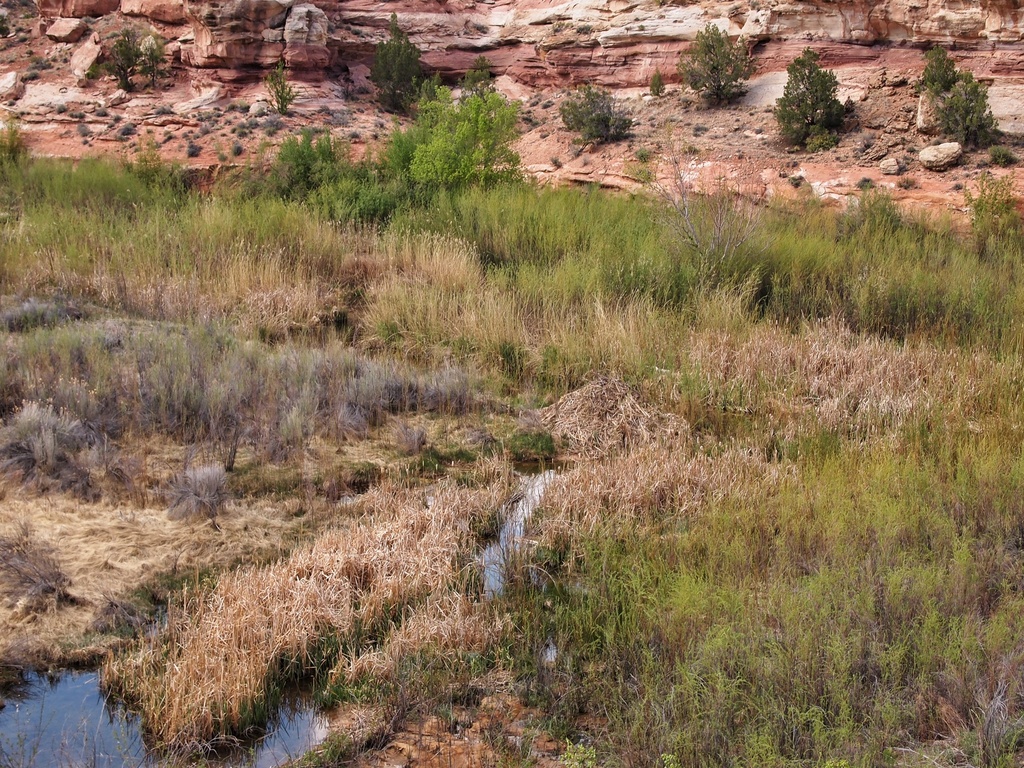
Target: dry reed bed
{"x": 850, "y": 383}
{"x": 213, "y": 673}
{"x": 648, "y": 488}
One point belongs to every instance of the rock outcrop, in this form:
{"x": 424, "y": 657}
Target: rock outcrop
{"x": 235, "y": 33}
{"x": 76, "y": 8}
{"x": 941, "y": 156}
{"x": 537, "y": 43}
{"x": 305, "y": 38}
{"x": 166, "y": 11}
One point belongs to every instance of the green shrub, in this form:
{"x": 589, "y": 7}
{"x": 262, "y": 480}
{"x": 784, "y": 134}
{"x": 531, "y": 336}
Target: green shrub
{"x": 964, "y": 113}
{"x": 12, "y": 143}
{"x": 5, "y": 27}
{"x": 994, "y": 206}
{"x": 396, "y": 70}
{"x": 592, "y": 112}
{"x": 1001, "y": 156}
{"x": 940, "y": 73}
{"x": 303, "y": 165}
{"x": 821, "y": 140}
{"x": 657, "y": 84}
{"x": 808, "y": 105}
{"x": 281, "y": 93}
{"x": 469, "y": 142}
{"x": 478, "y": 79}
{"x": 125, "y": 57}
{"x": 714, "y": 67}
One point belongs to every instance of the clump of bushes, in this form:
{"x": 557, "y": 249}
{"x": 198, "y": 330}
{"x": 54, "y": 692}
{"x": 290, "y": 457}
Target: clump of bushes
{"x": 396, "y": 70}
{"x": 961, "y": 102}
{"x": 592, "y": 112}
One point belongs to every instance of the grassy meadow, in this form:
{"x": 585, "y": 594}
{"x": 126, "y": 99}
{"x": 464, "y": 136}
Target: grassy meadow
{"x": 786, "y": 529}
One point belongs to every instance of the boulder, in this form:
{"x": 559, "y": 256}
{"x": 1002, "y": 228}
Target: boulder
{"x": 305, "y": 38}
{"x": 67, "y": 30}
{"x": 941, "y": 156}
{"x": 11, "y": 86}
{"x": 890, "y": 166}
{"x": 167, "y": 11}
{"x": 259, "y": 109}
{"x": 927, "y": 114}
{"x": 83, "y": 59}
{"x": 76, "y": 8}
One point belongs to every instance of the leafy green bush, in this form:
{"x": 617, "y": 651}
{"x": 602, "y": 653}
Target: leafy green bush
{"x": 940, "y": 73}
{"x": 281, "y": 93}
{"x": 715, "y": 67}
{"x": 469, "y": 142}
{"x": 808, "y": 105}
{"x": 964, "y": 113}
{"x": 304, "y": 165}
{"x": 657, "y": 84}
{"x": 592, "y": 112}
{"x": 396, "y": 70}
{"x": 821, "y": 140}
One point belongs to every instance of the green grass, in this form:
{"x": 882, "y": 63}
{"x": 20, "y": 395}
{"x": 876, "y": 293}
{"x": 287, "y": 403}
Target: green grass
{"x": 825, "y": 567}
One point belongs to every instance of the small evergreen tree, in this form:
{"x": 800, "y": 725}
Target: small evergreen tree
{"x": 809, "y": 105}
{"x": 964, "y": 113}
{"x": 478, "y": 79}
{"x": 657, "y": 84}
{"x": 592, "y": 112}
{"x": 281, "y": 92}
{"x": 5, "y": 27}
{"x": 125, "y": 56}
{"x": 939, "y": 72}
{"x": 716, "y": 68}
{"x": 396, "y": 70}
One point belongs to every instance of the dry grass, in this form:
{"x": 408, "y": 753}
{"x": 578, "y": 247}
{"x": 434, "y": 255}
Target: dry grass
{"x": 213, "y": 673}
{"x": 606, "y": 416}
{"x": 647, "y": 488}
{"x": 30, "y": 571}
{"x": 107, "y": 551}
{"x": 828, "y": 375}
{"x": 448, "y": 624}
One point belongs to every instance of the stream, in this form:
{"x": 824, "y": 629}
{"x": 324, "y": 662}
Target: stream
{"x": 495, "y": 557}
{"x": 66, "y": 720}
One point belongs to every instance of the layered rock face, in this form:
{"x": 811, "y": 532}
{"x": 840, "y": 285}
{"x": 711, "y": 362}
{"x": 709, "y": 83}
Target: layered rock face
{"x": 543, "y": 43}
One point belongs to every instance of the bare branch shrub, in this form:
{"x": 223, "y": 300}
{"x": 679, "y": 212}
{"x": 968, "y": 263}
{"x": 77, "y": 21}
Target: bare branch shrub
{"x": 41, "y": 445}
{"x": 410, "y": 440}
{"x": 199, "y": 492}
{"x": 710, "y": 215}
{"x": 30, "y": 570}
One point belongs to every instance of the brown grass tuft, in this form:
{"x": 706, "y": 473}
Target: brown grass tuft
{"x": 30, "y": 571}
{"x": 199, "y": 492}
